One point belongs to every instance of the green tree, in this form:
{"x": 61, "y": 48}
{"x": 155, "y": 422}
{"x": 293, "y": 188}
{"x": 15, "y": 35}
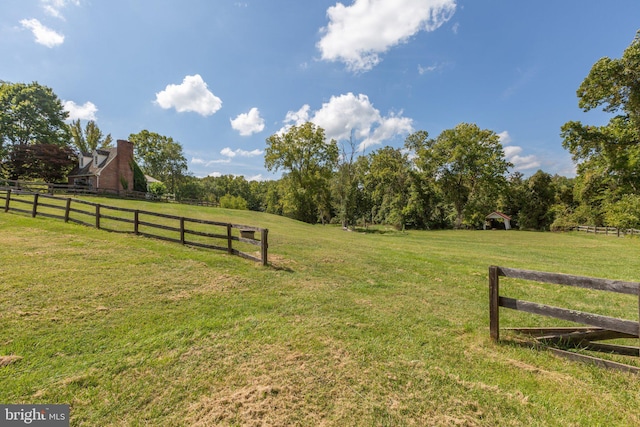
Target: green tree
{"x": 536, "y": 213}
{"x": 388, "y": 183}
{"x": 160, "y": 157}
{"x": 344, "y": 185}
{"x": 608, "y": 157}
{"x": 31, "y": 114}
{"x": 90, "y": 138}
{"x": 469, "y": 166}
{"x": 309, "y": 162}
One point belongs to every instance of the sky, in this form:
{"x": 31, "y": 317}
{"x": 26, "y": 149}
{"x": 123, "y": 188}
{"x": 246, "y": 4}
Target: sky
{"x": 221, "y": 76}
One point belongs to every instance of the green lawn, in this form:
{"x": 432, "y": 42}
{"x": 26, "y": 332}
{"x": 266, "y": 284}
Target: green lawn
{"x": 345, "y": 328}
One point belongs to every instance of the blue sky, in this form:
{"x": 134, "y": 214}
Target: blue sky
{"x": 221, "y": 76}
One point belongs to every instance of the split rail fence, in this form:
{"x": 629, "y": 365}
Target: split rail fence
{"x": 599, "y": 327}
{"x": 609, "y": 231}
{"x": 186, "y": 231}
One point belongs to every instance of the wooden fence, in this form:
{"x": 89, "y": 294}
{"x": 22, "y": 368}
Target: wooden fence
{"x": 187, "y": 231}
{"x": 600, "y": 327}
{"x": 52, "y": 189}
{"x": 610, "y": 231}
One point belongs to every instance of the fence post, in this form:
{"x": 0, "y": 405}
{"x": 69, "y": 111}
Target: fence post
{"x": 264, "y": 244}
{"x": 182, "y": 230}
{"x": 229, "y": 244}
{"x": 98, "y": 217}
{"x": 136, "y": 221}
{"x": 494, "y": 320}
{"x": 67, "y": 210}
{"x": 34, "y": 212}
{"x": 6, "y": 203}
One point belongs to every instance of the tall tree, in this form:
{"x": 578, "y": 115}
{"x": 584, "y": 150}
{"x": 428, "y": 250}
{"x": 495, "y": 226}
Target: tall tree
{"x": 388, "y": 181}
{"x": 308, "y": 160}
{"x": 160, "y": 157}
{"x": 469, "y": 166}
{"x": 608, "y": 157}
{"x": 344, "y": 183}
{"x": 90, "y": 138}
{"x": 31, "y": 114}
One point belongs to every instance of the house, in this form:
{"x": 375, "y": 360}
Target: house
{"x": 497, "y": 216}
{"x": 105, "y": 169}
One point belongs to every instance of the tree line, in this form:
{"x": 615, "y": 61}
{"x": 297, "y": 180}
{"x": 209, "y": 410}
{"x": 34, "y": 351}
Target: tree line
{"x": 451, "y": 181}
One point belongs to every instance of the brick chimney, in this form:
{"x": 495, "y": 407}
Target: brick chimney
{"x": 125, "y": 159}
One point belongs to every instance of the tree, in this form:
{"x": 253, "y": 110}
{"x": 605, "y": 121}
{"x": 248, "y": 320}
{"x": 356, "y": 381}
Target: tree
{"x": 608, "y": 157}
{"x": 160, "y": 157}
{"x": 536, "y": 213}
{"x": 344, "y": 184}
{"x": 47, "y": 162}
{"x": 90, "y": 138}
{"x": 309, "y": 162}
{"x": 469, "y": 166}
{"x": 31, "y": 114}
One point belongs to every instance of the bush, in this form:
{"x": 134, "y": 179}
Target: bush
{"x": 157, "y": 189}
{"x": 233, "y": 202}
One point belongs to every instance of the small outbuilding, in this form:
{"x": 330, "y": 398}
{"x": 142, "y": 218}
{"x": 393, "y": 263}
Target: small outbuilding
{"x": 497, "y": 216}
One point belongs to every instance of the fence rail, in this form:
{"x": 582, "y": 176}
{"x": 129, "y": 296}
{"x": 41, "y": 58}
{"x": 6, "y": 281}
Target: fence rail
{"x": 610, "y": 231}
{"x": 186, "y": 231}
{"x": 52, "y": 189}
{"x": 599, "y": 327}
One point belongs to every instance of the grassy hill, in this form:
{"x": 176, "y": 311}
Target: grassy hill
{"x": 346, "y": 328}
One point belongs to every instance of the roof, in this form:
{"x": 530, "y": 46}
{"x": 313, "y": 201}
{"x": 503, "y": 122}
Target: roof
{"x": 90, "y": 169}
{"x": 498, "y": 215}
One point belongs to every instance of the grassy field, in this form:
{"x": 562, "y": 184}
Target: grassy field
{"x": 345, "y": 328}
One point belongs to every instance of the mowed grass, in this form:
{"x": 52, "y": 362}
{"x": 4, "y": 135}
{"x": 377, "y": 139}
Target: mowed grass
{"x": 345, "y": 328}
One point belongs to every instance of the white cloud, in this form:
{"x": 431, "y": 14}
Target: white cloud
{"x": 44, "y": 36}
{"x": 258, "y": 178}
{"x": 215, "y": 174}
{"x": 298, "y": 117}
{"x": 242, "y": 153}
{"x": 348, "y": 113}
{"x": 512, "y": 154}
{"x": 358, "y": 34}
{"x": 86, "y": 111}
{"x": 248, "y": 123}
{"x": 505, "y": 138}
{"x": 190, "y": 96}
{"x": 54, "y": 7}
{"x": 197, "y": 161}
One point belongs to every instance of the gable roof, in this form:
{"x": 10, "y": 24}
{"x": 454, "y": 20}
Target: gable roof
{"x": 91, "y": 169}
{"x": 497, "y": 215}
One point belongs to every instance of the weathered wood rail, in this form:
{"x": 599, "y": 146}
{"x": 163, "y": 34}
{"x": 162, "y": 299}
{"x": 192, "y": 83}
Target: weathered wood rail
{"x": 608, "y": 231}
{"x": 186, "y": 231}
{"x": 599, "y": 327}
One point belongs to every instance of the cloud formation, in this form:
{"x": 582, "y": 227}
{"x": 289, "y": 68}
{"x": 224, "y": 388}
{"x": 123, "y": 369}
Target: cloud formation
{"x": 54, "y": 7}
{"x": 346, "y": 114}
{"x": 86, "y": 111}
{"x": 192, "y": 95}
{"x": 44, "y": 36}
{"x": 358, "y": 34}
{"x": 512, "y": 154}
{"x": 248, "y": 123}
{"x": 242, "y": 153}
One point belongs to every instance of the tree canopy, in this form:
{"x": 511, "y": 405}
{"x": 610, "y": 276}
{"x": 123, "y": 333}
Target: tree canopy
{"x": 160, "y": 157}
{"x": 90, "y": 138}
{"x": 308, "y": 160}
{"x": 469, "y": 166}
{"x": 31, "y": 114}
{"x": 608, "y": 157}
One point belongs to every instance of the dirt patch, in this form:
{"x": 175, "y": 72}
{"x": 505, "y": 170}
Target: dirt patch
{"x": 8, "y": 360}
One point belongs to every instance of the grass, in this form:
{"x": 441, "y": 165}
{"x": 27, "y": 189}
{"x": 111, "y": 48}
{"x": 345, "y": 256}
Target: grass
{"x": 345, "y": 329}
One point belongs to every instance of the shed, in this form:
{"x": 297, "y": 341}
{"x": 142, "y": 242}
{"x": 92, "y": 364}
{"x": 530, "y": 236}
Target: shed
{"x": 499, "y": 216}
